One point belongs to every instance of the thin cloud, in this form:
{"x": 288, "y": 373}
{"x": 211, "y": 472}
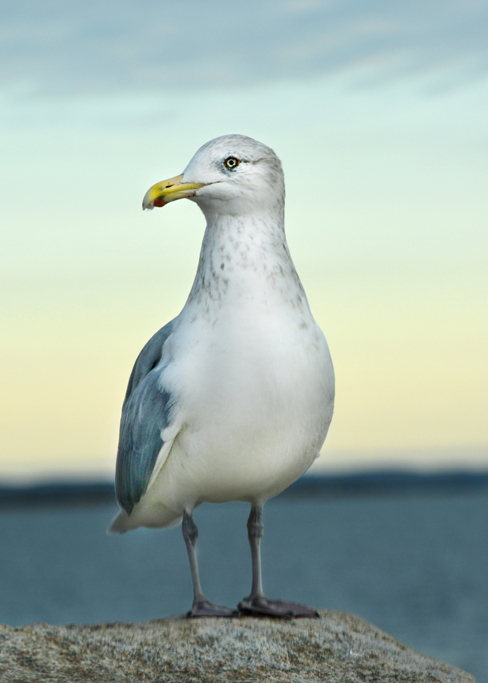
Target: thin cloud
{"x": 63, "y": 48}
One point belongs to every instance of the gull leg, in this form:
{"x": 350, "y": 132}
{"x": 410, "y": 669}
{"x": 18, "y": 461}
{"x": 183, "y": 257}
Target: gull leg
{"x": 201, "y": 606}
{"x": 255, "y": 531}
{"x": 257, "y": 604}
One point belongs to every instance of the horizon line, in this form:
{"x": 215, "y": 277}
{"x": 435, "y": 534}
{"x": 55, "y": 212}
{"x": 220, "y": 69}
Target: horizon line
{"x": 375, "y": 482}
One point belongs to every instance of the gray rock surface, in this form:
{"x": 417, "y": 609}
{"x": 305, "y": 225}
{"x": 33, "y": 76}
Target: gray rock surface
{"x": 336, "y": 648}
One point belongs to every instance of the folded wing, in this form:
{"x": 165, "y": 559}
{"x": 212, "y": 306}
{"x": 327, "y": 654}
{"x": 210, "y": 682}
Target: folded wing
{"x": 145, "y": 414}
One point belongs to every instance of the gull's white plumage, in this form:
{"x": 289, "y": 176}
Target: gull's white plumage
{"x": 246, "y": 367}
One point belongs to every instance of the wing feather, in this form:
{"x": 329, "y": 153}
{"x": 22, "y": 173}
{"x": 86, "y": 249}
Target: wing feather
{"x": 146, "y": 412}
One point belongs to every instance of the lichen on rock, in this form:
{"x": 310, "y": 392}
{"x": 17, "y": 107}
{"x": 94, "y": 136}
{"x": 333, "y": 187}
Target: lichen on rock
{"x": 338, "y": 648}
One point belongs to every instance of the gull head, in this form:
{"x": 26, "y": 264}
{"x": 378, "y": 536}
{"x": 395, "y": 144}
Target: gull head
{"x": 232, "y": 174}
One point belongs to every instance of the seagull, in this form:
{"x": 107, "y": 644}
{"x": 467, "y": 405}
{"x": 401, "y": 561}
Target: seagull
{"x": 231, "y": 400}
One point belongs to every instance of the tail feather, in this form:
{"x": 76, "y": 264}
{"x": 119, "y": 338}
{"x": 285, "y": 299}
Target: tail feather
{"x": 157, "y": 516}
{"x": 119, "y": 525}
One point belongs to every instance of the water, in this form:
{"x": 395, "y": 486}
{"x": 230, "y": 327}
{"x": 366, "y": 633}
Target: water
{"x": 415, "y": 566}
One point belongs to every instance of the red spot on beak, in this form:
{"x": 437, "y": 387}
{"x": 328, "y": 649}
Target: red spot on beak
{"x": 159, "y": 202}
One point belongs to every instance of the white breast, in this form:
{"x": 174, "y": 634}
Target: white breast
{"x": 257, "y": 403}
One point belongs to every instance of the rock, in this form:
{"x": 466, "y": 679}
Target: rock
{"x": 336, "y": 648}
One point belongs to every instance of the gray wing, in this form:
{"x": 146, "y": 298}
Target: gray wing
{"x": 145, "y": 413}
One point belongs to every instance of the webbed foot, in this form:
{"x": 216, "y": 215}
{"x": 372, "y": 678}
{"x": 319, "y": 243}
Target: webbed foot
{"x": 204, "y": 608}
{"x": 260, "y": 606}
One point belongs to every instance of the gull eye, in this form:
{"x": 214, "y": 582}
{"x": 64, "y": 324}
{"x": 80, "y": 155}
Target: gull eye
{"x": 231, "y": 163}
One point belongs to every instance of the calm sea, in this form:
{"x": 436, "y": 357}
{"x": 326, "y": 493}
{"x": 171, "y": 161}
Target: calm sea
{"x": 415, "y": 565}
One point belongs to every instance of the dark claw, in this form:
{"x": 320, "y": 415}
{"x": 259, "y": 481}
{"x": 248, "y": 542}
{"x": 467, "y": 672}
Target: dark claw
{"x": 264, "y": 607}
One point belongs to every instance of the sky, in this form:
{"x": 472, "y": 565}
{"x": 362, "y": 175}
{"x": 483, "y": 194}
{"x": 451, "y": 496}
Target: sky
{"x": 378, "y": 112}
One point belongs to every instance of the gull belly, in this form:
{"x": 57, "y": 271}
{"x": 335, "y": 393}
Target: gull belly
{"x": 257, "y": 386}
{"x": 249, "y": 453}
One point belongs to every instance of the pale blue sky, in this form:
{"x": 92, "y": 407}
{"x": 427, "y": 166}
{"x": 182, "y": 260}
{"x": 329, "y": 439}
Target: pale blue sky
{"x": 379, "y": 114}
{"x": 102, "y": 46}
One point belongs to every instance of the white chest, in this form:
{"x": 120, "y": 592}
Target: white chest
{"x": 256, "y": 397}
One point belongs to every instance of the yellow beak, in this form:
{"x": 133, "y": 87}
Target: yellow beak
{"x": 169, "y": 190}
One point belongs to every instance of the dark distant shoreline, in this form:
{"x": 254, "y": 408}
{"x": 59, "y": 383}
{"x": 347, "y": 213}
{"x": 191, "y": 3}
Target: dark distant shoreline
{"x": 375, "y": 483}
